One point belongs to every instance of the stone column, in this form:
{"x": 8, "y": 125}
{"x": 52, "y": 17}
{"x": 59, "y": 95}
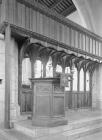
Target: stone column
{"x": 14, "y": 107}
{"x": 11, "y": 80}
{"x": 2, "y": 80}
{"x": 97, "y": 88}
{"x": 7, "y": 76}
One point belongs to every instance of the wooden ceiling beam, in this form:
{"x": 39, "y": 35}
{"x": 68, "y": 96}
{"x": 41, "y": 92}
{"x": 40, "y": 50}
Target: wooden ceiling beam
{"x": 69, "y": 10}
{"x": 43, "y": 3}
{"x": 70, "y": 2}
{"x": 55, "y": 4}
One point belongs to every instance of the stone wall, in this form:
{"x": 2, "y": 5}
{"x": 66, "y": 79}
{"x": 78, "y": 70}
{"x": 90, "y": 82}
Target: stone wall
{"x": 2, "y": 76}
{"x": 14, "y": 108}
{"x": 97, "y": 88}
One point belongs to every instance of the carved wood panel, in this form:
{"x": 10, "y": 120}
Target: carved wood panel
{"x": 24, "y": 14}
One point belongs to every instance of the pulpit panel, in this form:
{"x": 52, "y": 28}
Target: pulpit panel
{"x": 58, "y": 106}
{"x": 58, "y": 99}
{"x": 48, "y": 102}
{"x": 43, "y": 105}
{"x": 42, "y": 94}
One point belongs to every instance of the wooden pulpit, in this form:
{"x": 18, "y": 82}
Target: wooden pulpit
{"x": 48, "y": 102}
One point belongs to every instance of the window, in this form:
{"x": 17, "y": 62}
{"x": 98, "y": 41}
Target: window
{"x": 87, "y": 81}
{"x": 38, "y": 69}
{"x": 75, "y": 75}
{"x": 81, "y": 80}
{"x": 26, "y": 71}
{"x": 67, "y": 70}
{"x": 68, "y": 88}
{"x": 49, "y": 68}
{"x": 58, "y": 68}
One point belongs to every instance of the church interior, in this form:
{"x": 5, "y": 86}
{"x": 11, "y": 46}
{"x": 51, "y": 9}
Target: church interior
{"x": 51, "y": 66}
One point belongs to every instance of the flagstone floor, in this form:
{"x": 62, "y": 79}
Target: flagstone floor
{"x": 71, "y": 115}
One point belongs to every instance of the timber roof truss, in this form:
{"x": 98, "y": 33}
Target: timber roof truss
{"x": 63, "y": 7}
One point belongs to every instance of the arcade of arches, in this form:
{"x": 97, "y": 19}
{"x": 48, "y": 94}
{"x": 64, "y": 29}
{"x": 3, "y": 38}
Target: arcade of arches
{"x": 39, "y": 61}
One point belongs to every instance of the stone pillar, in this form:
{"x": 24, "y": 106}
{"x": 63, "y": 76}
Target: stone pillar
{"x": 97, "y": 88}
{"x": 7, "y": 76}
{"x": 2, "y": 82}
{"x": 11, "y": 80}
{"x": 14, "y": 107}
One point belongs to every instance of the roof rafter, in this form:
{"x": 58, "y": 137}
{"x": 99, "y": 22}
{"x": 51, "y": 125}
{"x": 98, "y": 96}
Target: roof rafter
{"x": 69, "y": 10}
{"x": 43, "y": 3}
{"x": 55, "y": 4}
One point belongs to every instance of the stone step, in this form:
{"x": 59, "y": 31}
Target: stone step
{"x": 83, "y": 131}
{"x": 73, "y": 130}
{"x": 84, "y": 123}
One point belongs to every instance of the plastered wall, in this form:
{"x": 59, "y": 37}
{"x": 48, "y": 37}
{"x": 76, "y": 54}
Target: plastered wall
{"x": 90, "y": 12}
{"x": 2, "y": 77}
{"x": 97, "y": 88}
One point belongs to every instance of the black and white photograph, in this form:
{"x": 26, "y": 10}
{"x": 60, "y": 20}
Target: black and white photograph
{"x": 50, "y": 69}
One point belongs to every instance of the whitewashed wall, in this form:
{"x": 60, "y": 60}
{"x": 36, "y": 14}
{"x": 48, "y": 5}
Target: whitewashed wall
{"x": 14, "y": 108}
{"x": 97, "y": 88}
{"x": 2, "y": 76}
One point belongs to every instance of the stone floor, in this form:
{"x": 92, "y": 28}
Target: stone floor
{"x": 75, "y": 117}
{"x": 79, "y": 114}
{"x": 97, "y": 136}
{"x": 14, "y": 135}
{"x": 72, "y": 116}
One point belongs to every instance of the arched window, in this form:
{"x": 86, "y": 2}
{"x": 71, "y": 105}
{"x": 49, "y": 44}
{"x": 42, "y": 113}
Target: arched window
{"x": 26, "y": 71}
{"x": 87, "y": 81}
{"x": 49, "y": 68}
{"x": 58, "y": 68}
{"x": 68, "y": 88}
{"x": 75, "y": 79}
{"x": 38, "y": 69}
{"x": 81, "y": 80}
{"x": 67, "y": 70}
